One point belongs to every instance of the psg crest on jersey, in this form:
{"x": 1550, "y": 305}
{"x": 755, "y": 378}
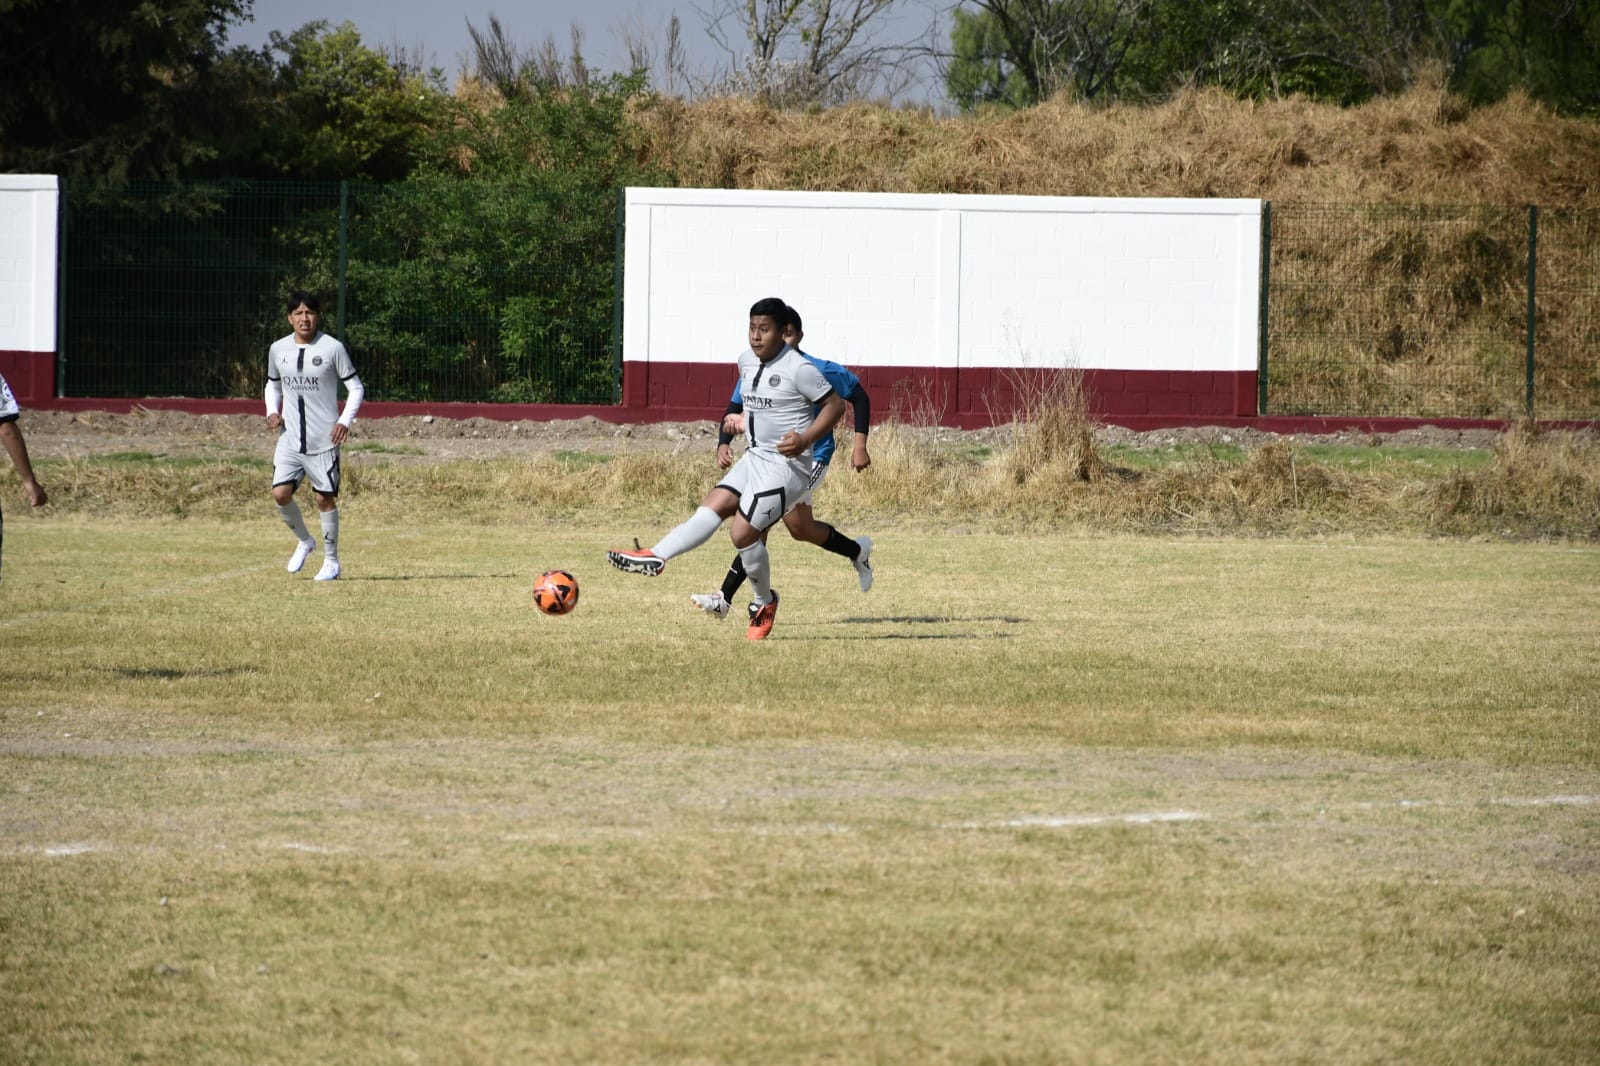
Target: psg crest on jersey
{"x": 773, "y": 380}
{"x": 316, "y": 360}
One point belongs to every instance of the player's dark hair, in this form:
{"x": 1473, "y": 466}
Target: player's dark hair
{"x": 298, "y": 297}
{"x": 794, "y": 320}
{"x": 773, "y": 308}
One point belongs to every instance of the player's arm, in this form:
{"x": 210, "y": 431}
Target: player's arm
{"x": 732, "y": 424}
{"x": 355, "y": 393}
{"x": 17, "y": 448}
{"x": 861, "y": 404}
{"x": 829, "y": 410}
{"x": 274, "y": 398}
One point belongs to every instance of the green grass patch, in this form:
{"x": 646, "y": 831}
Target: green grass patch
{"x": 378, "y": 447}
{"x": 155, "y": 462}
{"x": 1166, "y": 456}
{"x": 581, "y": 460}
{"x": 1427, "y": 462}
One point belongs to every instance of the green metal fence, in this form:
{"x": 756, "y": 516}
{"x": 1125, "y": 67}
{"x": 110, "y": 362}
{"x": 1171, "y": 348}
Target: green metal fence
{"x": 178, "y": 290}
{"x": 1429, "y": 311}
{"x": 483, "y": 291}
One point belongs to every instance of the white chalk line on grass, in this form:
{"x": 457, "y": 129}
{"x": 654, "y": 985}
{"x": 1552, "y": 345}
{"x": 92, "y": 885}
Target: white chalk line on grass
{"x": 57, "y": 851}
{"x": 1076, "y": 821}
{"x": 1028, "y": 821}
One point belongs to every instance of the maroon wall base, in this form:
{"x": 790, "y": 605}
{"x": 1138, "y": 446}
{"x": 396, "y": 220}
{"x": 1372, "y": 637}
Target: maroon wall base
{"x": 31, "y": 375}
{"x": 690, "y": 392}
{"x": 973, "y": 397}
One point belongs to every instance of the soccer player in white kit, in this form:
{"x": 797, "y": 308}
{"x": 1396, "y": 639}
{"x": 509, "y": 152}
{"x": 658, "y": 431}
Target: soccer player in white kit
{"x": 304, "y": 371}
{"x": 788, "y": 406}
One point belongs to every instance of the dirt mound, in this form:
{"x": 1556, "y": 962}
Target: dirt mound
{"x": 69, "y": 434}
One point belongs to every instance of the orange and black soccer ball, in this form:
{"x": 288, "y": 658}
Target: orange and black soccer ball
{"x": 556, "y": 592}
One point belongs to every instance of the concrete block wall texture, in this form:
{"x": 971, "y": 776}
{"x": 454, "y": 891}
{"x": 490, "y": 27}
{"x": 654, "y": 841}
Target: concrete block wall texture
{"x": 957, "y": 302}
{"x": 28, "y": 249}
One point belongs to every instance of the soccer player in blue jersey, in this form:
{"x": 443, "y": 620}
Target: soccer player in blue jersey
{"x": 800, "y": 521}
{"x": 789, "y": 407}
{"x": 304, "y": 372}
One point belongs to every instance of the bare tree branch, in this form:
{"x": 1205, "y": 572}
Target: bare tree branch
{"x": 797, "y": 52}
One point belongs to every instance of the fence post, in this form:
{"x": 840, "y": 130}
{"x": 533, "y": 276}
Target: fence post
{"x": 1533, "y": 272}
{"x": 61, "y": 285}
{"x": 616, "y": 295}
{"x": 344, "y": 248}
{"x": 1266, "y": 288}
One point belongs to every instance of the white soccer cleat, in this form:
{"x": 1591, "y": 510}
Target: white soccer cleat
{"x": 301, "y": 553}
{"x": 711, "y": 603}
{"x": 863, "y": 563}
{"x": 329, "y": 571}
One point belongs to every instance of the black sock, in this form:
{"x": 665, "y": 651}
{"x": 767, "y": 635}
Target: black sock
{"x": 734, "y": 578}
{"x": 839, "y": 544}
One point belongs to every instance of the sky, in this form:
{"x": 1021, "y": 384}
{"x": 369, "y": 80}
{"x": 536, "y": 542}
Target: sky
{"x": 438, "y": 30}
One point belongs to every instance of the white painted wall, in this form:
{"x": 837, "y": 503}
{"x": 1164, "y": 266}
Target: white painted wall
{"x": 28, "y": 262}
{"x": 891, "y": 279}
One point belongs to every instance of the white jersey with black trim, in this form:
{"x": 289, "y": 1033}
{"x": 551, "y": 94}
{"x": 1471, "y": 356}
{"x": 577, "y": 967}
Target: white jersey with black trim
{"x": 8, "y": 403}
{"x": 309, "y": 377}
{"x": 780, "y": 396}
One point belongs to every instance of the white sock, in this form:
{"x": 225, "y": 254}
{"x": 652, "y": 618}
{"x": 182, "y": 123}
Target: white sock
{"x": 290, "y": 513}
{"x": 330, "y": 534}
{"x": 758, "y": 569}
{"x": 689, "y": 534}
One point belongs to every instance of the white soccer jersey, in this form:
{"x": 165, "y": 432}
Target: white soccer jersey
{"x": 8, "y": 402}
{"x": 309, "y": 376}
{"x": 780, "y": 396}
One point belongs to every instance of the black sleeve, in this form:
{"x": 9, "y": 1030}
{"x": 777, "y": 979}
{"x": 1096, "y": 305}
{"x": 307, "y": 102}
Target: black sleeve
{"x": 723, "y": 436}
{"x": 862, "y": 403}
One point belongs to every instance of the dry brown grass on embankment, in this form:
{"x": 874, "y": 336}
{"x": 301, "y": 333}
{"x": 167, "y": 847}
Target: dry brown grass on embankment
{"x": 1424, "y": 146}
{"x": 1045, "y": 473}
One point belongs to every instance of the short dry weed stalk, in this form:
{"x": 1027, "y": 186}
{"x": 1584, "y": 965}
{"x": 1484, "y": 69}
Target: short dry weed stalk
{"x": 1054, "y": 436}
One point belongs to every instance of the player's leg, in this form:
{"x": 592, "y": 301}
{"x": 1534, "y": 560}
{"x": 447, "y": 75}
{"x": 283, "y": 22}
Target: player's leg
{"x": 717, "y": 603}
{"x": 687, "y": 535}
{"x": 772, "y": 488}
{"x": 286, "y": 474}
{"x": 752, "y": 550}
{"x": 324, "y": 476}
{"x": 803, "y": 525}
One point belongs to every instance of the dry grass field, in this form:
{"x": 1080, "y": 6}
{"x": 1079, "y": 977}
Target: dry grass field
{"x": 1259, "y": 784}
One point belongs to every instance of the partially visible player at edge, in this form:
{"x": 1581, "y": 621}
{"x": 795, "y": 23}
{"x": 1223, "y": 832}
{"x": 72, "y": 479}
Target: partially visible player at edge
{"x": 800, "y": 521}
{"x": 16, "y": 447}
{"x": 789, "y": 406}
{"x": 304, "y": 370}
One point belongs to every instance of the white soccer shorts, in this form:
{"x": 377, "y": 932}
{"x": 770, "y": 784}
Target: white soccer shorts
{"x": 768, "y": 486}
{"x": 320, "y": 468}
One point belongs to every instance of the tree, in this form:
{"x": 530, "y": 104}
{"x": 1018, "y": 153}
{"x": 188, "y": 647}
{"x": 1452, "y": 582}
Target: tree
{"x": 505, "y": 235}
{"x": 342, "y": 110}
{"x": 1018, "y": 52}
{"x": 511, "y": 72}
{"x": 1550, "y": 48}
{"x": 808, "y": 51}
{"x": 108, "y": 88}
